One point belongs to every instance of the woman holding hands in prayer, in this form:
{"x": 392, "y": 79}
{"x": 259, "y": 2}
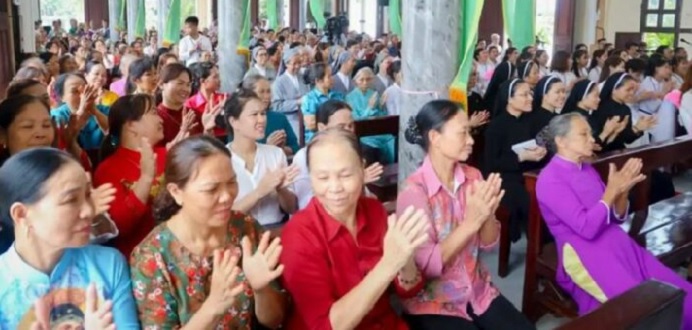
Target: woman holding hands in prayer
{"x": 597, "y": 259}
{"x": 342, "y": 252}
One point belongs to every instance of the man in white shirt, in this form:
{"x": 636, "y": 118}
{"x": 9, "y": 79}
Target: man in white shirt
{"x": 193, "y": 44}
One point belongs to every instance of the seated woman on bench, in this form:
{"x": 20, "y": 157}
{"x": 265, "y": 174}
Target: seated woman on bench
{"x": 460, "y": 206}
{"x": 597, "y": 260}
{"x": 331, "y": 114}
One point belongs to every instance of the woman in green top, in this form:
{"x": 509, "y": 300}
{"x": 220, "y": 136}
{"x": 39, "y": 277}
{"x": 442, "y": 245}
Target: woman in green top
{"x": 205, "y": 266}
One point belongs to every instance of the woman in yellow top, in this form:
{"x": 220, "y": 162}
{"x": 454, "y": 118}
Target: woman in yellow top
{"x": 97, "y": 75}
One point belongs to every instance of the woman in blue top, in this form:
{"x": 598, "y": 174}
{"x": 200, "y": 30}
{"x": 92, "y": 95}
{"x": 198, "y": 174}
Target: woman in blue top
{"x": 50, "y": 277}
{"x": 78, "y": 98}
{"x": 320, "y": 76}
{"x": 365, "y": 102}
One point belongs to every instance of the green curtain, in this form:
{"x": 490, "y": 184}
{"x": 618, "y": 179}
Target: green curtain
{"x": 468, "y": 34}
{"x": 272, "y": 14}
{"x": 121, "y": 25}
{"x": 317, "y": 11}
{"x": 140, "y": 22}
{"x": 520, "y": 21}
{"x": 171, "y": 33}
{"x": 395, "y": 17}
{"x": 245, "y": 32}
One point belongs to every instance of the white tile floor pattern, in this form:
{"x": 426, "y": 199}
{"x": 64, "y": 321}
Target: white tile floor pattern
{"x": 512, "y": 286}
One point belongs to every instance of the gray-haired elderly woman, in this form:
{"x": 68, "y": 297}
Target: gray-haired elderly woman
{"x": 365, "y": 102}
{"x": 289, "y": 88}
{"x": 597, "y": 260}
{"x": 260, "y": 64}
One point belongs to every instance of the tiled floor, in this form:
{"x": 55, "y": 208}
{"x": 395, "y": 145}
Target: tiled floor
{"x": 512, "y": 285}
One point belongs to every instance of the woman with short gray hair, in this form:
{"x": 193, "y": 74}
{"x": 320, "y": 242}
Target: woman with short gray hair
{"x": 597, "y": 260}
{"x": 366, "y": 104}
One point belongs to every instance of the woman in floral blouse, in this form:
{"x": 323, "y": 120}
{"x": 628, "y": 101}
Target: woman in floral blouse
{"x": 205, "y": 266}
{"x": 460, "y": 205}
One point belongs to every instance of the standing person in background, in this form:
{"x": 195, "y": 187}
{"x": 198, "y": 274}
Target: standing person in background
{"x": 194, "y": 44}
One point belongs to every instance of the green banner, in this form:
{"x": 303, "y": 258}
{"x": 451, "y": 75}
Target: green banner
{"x": 171, "y": 33}
{"x": 468, "y": 34}
{"x": 140, "y": 22}
{"x": 317, "y": 11}
{"x": 520, "y": 21}
{"x": 272, "y": 15}
{"x": 395, "y": 17}
{"x": 245, "y": 32}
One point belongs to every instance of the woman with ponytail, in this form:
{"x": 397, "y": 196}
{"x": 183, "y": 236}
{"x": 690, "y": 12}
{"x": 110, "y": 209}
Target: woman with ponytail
{"x": 132, "y": 164}
{"x": 460, "y": 208}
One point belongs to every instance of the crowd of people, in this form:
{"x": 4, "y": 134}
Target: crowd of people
{"x": 135, "y": 194}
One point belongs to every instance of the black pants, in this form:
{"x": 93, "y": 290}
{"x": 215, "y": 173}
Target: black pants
{"x": 500, "y": 315}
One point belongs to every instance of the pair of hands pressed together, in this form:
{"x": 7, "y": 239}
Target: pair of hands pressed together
{"x": 621, "y": 181}
{"x": 208, "y": 119}
{"x": 260, "y": 269}
{"x": 277, "y": 179}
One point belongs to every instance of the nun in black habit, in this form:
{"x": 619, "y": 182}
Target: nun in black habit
{"x": 584, "y": 100}
{"x": 548, "y": 98}
{"x": 503, "y": 72}
{"x": 510, "y": 127}
{"x": 619, "y": 89}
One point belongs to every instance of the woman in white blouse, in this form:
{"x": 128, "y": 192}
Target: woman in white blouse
{"x": 265, "y": 181}
{"x": 596, "y": 66}
{"x": 392, "y": 96}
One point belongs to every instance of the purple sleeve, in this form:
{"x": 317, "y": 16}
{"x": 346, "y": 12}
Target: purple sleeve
{"x": 428, "y": 256}
{"x": 558, "y": 200}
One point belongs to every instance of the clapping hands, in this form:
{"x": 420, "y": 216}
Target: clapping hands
{"x": 263, "y": 266}
{"x": 621, "y": 181}
{"x": 483, "y": 199}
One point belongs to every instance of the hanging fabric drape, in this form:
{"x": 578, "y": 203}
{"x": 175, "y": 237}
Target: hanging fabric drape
{"x": 317, "y": 11}
{"x": 520, "y": 21}
{"x": 243, "y": 47}
{"x": 121, "y": 24}
{"x": 395, "y": 17}
{"x": 171, "y": 34}
{"x": 272, "y": 14}
{"x": 468, "y": 34}
{"x": 140, "y": 23}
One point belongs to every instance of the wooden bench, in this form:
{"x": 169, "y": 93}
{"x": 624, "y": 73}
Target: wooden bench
{"x": 650, "y": 305}
{"x": 386, "y": 188}
{"x": 663, "y": 233}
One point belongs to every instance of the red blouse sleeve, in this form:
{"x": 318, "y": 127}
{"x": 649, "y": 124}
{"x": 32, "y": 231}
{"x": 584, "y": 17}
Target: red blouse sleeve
{"x": 306, "y": 274}
{"x": 126, "y": 210}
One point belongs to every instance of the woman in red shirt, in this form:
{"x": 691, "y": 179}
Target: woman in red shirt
{"x": 206, "y": 82}
{"x": 341, "y": 253}
{"x": 132, "y": 166}
{"x": 175, "y": 82}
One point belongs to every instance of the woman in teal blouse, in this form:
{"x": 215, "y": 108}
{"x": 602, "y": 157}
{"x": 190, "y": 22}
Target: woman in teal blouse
{"x": 365, "y": 102}
{"x": 320, "y": 77}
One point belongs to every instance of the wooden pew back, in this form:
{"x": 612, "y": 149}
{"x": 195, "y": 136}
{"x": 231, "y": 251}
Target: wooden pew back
{"x": 379, "y": 126}
{"x": 650, "y": 305}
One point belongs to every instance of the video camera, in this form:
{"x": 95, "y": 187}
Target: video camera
{"x": 336, "y": 27}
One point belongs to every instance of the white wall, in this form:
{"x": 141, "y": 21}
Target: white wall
{"x": 622, "y": 16}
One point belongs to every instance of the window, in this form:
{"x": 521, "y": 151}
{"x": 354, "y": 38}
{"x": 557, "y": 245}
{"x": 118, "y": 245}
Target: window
{"x": 660, "y": 21}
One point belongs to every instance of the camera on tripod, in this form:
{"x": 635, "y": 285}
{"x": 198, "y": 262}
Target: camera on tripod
{"x": 336, "y": 26}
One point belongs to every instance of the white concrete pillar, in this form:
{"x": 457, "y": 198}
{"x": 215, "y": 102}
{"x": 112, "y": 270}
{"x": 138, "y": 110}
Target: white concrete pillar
{"x": 231, "y": 65}
{"x": 430, "y": 47}
{"x": 114, "y": 7}
{"x": 131, "y": 19}
{"x": 585, "y": 21}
